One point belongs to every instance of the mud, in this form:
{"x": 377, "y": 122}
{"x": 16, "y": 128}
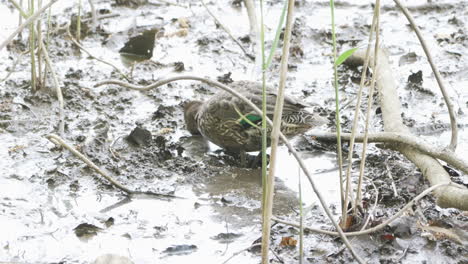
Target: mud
{"x": 54, "y": 209}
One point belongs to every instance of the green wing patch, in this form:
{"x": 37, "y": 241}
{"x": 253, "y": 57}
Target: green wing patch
{"x": 250, "y": 120}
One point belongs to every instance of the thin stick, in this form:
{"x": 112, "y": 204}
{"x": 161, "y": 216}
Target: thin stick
{"x": 26, "y": 23}
{"x": 453, "y": 121}
{"x": 337, "y": 113}
{"x": 389, "y": 174}
{"x": 270, "y": 181}
{"x": 256, "y": 109}
{"x": 32, "y": 48}
{"x": 375, "y": 228}
{"x": 78, "y": 22}
{"x": 356, "y": 118}
{"x": 59, "y": 141}
{"x": 92, "y": 56}
{"x": 94, "y": 19}
{"x": 250, "y": 56}
{"x": 370, "y": 101}
{"x": 58, "y": 90}
{"x": 240, "y": 251}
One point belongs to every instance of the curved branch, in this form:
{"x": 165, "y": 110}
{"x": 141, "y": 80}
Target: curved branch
{"x": 393, "y": 139}
{"x": 448, "y": 196}
{"x": 453, "y": 120}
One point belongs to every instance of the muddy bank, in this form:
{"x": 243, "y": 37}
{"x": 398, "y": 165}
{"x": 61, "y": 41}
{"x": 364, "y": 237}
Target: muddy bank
{"x": 47, "y": 193}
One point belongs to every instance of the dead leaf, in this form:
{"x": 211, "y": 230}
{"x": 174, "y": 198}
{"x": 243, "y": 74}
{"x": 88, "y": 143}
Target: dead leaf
{"x": 288, "y": 242}
{"x": 439, "y": 233}
{"x": 183, "y": 22}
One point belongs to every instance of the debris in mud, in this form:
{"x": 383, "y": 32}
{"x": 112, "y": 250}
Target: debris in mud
{"x": 112, "y": 259}
{"x": 288, "y": 242}
{"x": 183, "y": 22}
{"x": 415, "y": 78}
{"x": 180, "y": 249}
{"x": 226, "y": 237}
{"x": 109, "y": 222}
{"x": 225, "y": 78}
{"x": 163, "y": 112}
{"x": 86, "y": 231}
{"x": 245, "y": 39}
{"x": 139, "y": 48}
{"x": 408, "y": 58}
{"x": 130, "y": 3}
{"x": 140, "y": 136}
{"x": 159, "y": 230}
{"x": 179, "y": 66}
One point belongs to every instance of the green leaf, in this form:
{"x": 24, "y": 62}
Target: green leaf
{"x": 344, "y": 56}
{"x": 277, "y": 36}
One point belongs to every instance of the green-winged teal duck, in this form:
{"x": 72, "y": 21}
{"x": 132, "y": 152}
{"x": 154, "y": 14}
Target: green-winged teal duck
{"x": 222, "y": 118}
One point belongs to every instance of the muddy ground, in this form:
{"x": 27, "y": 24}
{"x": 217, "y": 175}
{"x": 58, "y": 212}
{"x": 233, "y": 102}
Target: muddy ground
{"x": 55, "y": 209}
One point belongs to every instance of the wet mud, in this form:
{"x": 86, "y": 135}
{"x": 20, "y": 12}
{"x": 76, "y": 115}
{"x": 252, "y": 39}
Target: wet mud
{"x": 55, "y": 209}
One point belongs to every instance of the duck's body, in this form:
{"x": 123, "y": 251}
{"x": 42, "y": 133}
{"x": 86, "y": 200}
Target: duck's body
{"x": 222, "y": 119}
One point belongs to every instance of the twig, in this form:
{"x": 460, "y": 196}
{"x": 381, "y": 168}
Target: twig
{"x": 256, "y": 109}
{"x": 250, "y": 56}
{"x": 26, "y": 23}
{"x": 394, "y": 139}
{"x": 240, "y": 251}
{"x": 389, "y": 173}
{"x": 94, "y": 20}
{"x": 453, "y": 120}
{"x": 278, "y": 112}
{"x": 100, "y": 17}
{"x": 58, "y": 90}
{"x": 91, "y": 55}
{"x": 370, "y": 96}
{"x": 375, "y": 228}
{"x": 59, "y": 141}
{"x": 339, "y": 151}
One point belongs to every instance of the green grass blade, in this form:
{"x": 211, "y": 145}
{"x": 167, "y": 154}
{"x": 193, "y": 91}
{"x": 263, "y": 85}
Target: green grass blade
{"x": 277, "y": 36}
{"x": 344, "y": 56}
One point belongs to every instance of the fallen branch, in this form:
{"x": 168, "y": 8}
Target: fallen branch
{"x": 449, "y": 196}
{"x": 392, "y": 140}
{"x": 60, "y": 142}
{"x": 453, "y": 120}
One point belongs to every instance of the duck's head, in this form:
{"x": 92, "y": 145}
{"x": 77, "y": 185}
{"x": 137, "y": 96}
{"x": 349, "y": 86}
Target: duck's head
{"x": 191, "y": 109}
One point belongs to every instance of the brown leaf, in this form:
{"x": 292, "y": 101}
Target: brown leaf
{"x": 288, "y": 242}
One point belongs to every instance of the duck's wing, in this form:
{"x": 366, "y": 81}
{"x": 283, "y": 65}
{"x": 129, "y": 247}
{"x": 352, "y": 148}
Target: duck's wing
{"x": 253, "y": 91}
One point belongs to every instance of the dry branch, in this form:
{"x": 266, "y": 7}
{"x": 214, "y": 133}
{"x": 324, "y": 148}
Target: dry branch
{"x": 449, "y": 196}
{"x": 393, "y": 139}
{"x": 453, "y": 119}
{"x": 60, "y": 142}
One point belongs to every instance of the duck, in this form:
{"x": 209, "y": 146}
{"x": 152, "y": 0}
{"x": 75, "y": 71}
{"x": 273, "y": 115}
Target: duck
{"x": 233, "y": 125}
